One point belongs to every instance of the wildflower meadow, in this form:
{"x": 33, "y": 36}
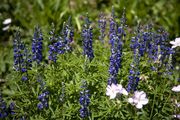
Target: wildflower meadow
{"x": 106, "y": 71}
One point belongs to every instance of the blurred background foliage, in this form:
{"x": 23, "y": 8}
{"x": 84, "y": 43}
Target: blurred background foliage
{"x": 25, "y": 14}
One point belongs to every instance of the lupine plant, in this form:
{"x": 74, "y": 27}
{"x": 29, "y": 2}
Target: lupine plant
{"x": 102, "y": 27}
{"x": 84, "y": 101}
{"x": 87, "y": 36}
{"x": 37, "y": 45}
{"x": 138, "y": 67}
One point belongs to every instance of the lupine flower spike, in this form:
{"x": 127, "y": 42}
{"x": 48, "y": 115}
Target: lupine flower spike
{"x": 37, "y": 45}
{"x": 27, "y": 64}
{"x": 84, "y": 101}
{"x": 18, "y": 47}
{"x": 43, "y": 97}
{"x": 102, "y": 27}
{"x": 87, "y": 37}
{"x": 134, "y": 73}
{"x": 56, "y": 45}
{"x": 67, "y": 35}
{"x": 52, "y": 49}
{"x": 134, "y": 70}
{"x": 112, "y": 27}
{"x": 116, "y": 50}
{"x": 4, "y": 109}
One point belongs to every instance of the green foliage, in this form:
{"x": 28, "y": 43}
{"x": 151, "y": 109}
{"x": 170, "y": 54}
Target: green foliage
{"x": 70, "y": 70}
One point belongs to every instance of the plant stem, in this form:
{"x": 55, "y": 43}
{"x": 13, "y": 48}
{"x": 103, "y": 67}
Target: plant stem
{"x": 153, "y": 103}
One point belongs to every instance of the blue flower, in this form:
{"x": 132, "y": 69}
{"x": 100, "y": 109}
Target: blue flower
{"x": 22, "y": 57}
{"x": 4, "y": 110}
{"x": 84, "y": 101}
{"x": 115, "y": 59}
{"x": 57, "y": 45}
{"x": 102, "y": 27}
{"x": 43, "y": 98}
{"x": 67, "y": 35}
{"x": 11, "y": 108}
{"x": 18, "y": 47}
{"x": 134, "y": 73}
{"x": 87, "y": 37}
{"x": 37, "y": 45}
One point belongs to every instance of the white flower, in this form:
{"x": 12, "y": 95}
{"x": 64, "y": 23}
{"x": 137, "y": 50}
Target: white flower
{"x": 177, "y": 116}
{"x": 175, "y": 43}
{"x": 5, "y": 28}
{"x": 139, "y": 99}
{"x": 176, "y": 88}
{"x": 122, "y": 90}
{"x": 113, "y": 89}
{"x": 7, "y": 21}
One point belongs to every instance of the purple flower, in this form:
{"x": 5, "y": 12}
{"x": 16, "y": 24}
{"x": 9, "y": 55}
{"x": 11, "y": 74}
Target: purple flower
{"x": 22, "y": 57}
{"x": 67, "y": 35}
{"x": 43, "y": 98}
{"x": 102, "y": 27}
{"x": 84, "y": 101}
{"x": 134, "y": 73}
{"x": 87, "y": 37}
{"x": 37, "y": 45}
{"x": 18, "y": 47}
{"x": 4, "y": 110}
{"x": 115, "y": 59}
{"x": 57, "y": 45}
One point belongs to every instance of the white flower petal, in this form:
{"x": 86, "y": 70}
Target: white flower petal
{"x": 112, "y": 96}
{"x": 136, "y": 100}
{"x": 130, "y": 100}
{"x": 124, "y": 92}
{"x": 119, "y": 86}
{"x": 139, "y": 99}
{"x": 139, "y": 106}
{"x": 7, "y": 21}
{"x": 113, "y": 86}
{"x": 176, "y": 116}
{"x": 137, "y": 94}
{"x": 177, "y": 40}
{"x": 142, "y": 96}
{"x": 144, "y": 101}
{"x": 111, "y": 91}
{"x": 108, "y": 90}
{"x": 175, "y": 43}
{"x": 174, "y": 46}
{"x": 108, "y": 93}
{"x": 176, "y": 88}
{"x": 172, "y": 42}
{"x": 5, "y": 28}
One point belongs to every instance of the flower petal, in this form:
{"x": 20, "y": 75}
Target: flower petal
{"x": 176, "y": 88}
{"x": 112, "y": 96}
{"x": 176, "y": 116}
{"x": 172, "y": 42}
{"x": 139, "y": 106}
{"x": 7, "y": 21}
{"x": 144, "y": 101}
{"x": 119, "y": 86}
{"x": 124, "y": 92}
{"x": 130, "y": 100}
